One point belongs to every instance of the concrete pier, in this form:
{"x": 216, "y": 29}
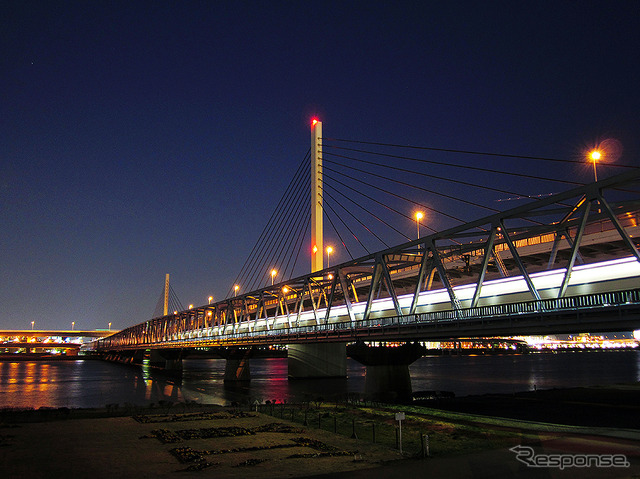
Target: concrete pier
{"x": 387, "y": 369}
{"x": 237, "y": 367}
{"x": 166, "y": 359}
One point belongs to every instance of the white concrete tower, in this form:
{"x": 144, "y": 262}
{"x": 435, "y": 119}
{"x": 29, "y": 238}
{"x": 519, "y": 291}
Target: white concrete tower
{"x": 317, "y": 249}
{"x": 165, "y": 310}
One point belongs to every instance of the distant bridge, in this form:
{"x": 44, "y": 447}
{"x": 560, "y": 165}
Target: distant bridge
{"x": 14, "y": 341}
{"x": 49, "y": 333}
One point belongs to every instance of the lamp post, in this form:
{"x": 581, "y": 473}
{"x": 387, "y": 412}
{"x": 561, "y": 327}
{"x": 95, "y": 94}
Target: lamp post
{"x": 273, "y": 275}
{"x": 210, "y": 299}
{"x": 73, "y": 324}
{"x": 235, "y": 289}
{"x": 32, "y": 323}
{"x": 595, "y": 155}
{"x": 109, "y": 326}
{"x": 419, "y": 215}
{"x": 329, "y": 251}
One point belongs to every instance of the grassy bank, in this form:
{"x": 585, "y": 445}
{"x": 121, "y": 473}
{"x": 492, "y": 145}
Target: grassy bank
{"x": 423, "y": 430}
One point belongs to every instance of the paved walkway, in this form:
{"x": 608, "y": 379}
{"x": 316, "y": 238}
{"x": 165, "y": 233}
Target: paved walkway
{"x": 502, "y": 463}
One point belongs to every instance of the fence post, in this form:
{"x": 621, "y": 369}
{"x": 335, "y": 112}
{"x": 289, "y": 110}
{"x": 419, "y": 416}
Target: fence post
{"x": 424, "y": 441}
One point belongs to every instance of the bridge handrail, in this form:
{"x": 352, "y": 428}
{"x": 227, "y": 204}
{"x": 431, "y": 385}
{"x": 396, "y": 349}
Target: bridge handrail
{"x": 573, "y": 303}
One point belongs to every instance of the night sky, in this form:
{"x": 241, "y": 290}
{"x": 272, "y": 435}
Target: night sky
{"x": 144, "y": 138}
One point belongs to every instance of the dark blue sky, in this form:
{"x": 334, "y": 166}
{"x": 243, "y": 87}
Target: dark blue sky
{"x": 144, "y": 138}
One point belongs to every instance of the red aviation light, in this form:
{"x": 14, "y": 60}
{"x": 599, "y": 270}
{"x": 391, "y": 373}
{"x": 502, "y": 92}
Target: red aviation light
{"x": 313, "y": 122}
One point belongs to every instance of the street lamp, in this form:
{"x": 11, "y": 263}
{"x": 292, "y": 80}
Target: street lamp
{"x": 210, "y": 299}
{"x": 73, "y": 324}
{"x": 419, "y": 215}
{"x": 273, "y": 275}
{"x": 235, "y": 289}
{"x": 329, "y": 251}
{"x": 109, "y": 326}
{"x": 595, "y": 155}
{"x": 32, "y": 323}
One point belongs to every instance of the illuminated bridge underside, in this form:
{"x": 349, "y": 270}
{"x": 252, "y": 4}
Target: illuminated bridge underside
{"x": 567, "y": 263}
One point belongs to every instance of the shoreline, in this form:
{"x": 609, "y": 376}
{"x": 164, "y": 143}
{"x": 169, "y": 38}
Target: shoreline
{"x": 616, "y": 406}
{"x": 167, "y": 438}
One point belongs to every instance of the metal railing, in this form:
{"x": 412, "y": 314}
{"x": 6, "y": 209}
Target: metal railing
{"x": 540, "y": 308}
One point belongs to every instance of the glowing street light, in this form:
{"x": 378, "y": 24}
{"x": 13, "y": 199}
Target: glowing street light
{"x": 109, "y": 326}
{"x": 73, "y": 324}
{"x": 419, "y": 215}
{"x": 210, "y": 299}
{"x": 235, "y": 289}
{"x": 329, "y": 251}
{"x": 285, "y": 290}
{"x": 32, "y": 323}
{"x": 273, "y": 275}
{"x": 595, "y": 155}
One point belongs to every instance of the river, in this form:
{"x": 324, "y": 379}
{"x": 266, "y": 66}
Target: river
{"x": 93, "y": 383}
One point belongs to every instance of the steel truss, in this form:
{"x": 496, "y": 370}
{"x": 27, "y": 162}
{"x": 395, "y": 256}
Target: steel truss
{"x": 577, "y": 226}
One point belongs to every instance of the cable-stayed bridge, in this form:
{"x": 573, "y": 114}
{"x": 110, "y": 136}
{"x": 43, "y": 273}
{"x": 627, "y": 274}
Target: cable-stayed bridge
{"x": 560, "y": 263}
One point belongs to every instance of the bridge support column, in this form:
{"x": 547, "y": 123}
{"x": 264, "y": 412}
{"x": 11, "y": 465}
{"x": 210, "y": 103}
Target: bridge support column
{"x": 237, "y": 367}
{"x": 123, "y": 357}
{"x": 166, "y": 359}
{"x": 387, "y": 375}
{"x": 328, "y": 360}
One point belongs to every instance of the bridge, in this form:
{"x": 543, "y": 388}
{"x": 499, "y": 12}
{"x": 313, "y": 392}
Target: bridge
{"x": 564, "y": 263}
{"x": 29, "y": 341}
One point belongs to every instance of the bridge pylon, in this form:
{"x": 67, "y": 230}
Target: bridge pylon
{"x": 165, "y": 309}
{"x": 317, "y": 360}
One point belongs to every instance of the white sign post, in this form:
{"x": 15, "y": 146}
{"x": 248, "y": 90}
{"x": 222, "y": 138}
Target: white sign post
{"x": 400, "y": 418}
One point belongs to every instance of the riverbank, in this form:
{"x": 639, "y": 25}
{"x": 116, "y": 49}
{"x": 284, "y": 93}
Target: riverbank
{"x": 182, "y": 441}
{"x": 326, "y": 439}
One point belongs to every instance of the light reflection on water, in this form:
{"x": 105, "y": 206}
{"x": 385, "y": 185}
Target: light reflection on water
{"x": 96, "y": 383}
